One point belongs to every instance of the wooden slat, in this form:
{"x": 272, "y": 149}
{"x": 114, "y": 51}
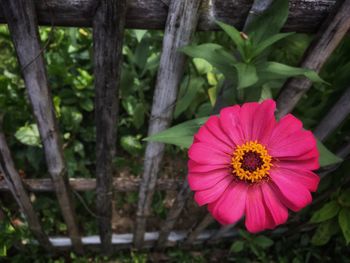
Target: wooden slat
{"x": 108, "y": 30}
{"x": 193, "y": 234}
{"x": 128, "y": 184}
{"x": 181, "y": 23}
{"x": 334, "y": 117}
{"x": 21, "y": 19}
{"x": 328, "y": 38}
{"x": 16, "y": 187}
{"x": 305, "y": 15}
{"x": 173, "y": 215}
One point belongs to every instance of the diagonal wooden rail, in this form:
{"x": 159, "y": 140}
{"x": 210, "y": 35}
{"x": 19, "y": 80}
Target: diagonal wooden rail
{"x": 329, "y": 36}
{"x": 22, "y": 23}
{"x": 16, "y": 187}
{"x": 108, "y": 30}
{"x": 180, "y": 25}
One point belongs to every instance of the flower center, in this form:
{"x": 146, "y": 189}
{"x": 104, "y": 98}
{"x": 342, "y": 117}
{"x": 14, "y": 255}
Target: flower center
{"x": 251, "y": 162}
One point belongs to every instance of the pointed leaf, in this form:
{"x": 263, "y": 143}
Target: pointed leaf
{"x": 269, "y": 41}
{"x": 246, "y": 75}
{"x": 277, "y": 70}
{"x": 326, "y": 156}
{"x": 180, "y": 135}
{"x": 235, "y": 35}
{"x": 215, "y": 54}
{"x": 328, "y": 211}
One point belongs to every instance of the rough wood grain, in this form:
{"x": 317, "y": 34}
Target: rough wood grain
{"x": 128, "y": 184}
{"x": 328, "y": 38}
{"x": 21, "y": 19}
{"x": 108, "y": 30}
{"x": 173, "y": 215}
{"x": 305, "y": 15}
{"x": 193, "y": 234}
{"x": 334, "y": 117}
{"x": 180, "y": 25}
{"x": 14, "y": 183}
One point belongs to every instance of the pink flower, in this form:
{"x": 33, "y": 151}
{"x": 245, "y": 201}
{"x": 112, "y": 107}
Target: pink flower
{"x": 246, "y": 163}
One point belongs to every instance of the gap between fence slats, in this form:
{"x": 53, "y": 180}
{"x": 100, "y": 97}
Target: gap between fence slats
{"x": 127, "y": 184}
{"x": 305, "y": 16}
{"x": 180, "y": 26}
{"x": 21, "y": 19}
{"x": 108, "y": 30}
{"x": 329, "y": 36}
{"x": 193, "y": 234}
{"x": 15, "y": 185}
{"x": 337, "y": 114}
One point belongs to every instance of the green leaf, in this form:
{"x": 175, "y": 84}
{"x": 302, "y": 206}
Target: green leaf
{"x": 131, "y": 144}
{"x": 327, "y": 212}
{"x": 344, "y": 223}
{"x": 263, "y": 241}
{"x": 235, "y": 35}
{"x": 237, "y": 246}
{"x": 268, "y": 42}
{"x": 246, "y": 75}
{"x": 139, "y": 34}
{"x": 202, "y": 66}
{"x": 269, "y": 23}
{"x": 139, "y": 115}
{"x": 180, "y": 135}
{"x": 215, "y": 54}
{"x": 326, "y": 156}
{"x": 29, "y": 135}
{"x": 324, "y": 232}
{"x": 344, "y": 198}
{"x": 189, "y": 93}
{"x": 278, "y": 70}
{"x": 86, "y": 104}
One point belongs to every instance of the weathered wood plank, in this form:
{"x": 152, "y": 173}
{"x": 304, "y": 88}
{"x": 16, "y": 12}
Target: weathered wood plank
{"x": 305, "y": 15}
{"x": 123, "y": 185}
{"x": 193, "y": 234}
{"x": 22, "y": 22}
{"x": 14, "y": 183}
{"x": 328, "y": 38}
{"x": 108, "y": 30}
{"x": 334, "y": 117}
{"x": 180, "y": 26}
{"x": 173, "y": 215}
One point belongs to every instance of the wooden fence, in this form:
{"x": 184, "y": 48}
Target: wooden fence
{"x": 108, "y": 18}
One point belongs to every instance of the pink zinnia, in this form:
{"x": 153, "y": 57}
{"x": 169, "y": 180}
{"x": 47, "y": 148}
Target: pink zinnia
{"x": 246, "y": 163}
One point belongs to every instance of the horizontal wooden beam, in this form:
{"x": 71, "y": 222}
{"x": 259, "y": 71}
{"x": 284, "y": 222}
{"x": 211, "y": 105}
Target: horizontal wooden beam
{"x": 89, "y": 184}
{"x": 305, "y": 15}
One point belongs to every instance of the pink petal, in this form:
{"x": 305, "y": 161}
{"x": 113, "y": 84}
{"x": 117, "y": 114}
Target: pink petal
{"x": 264, "y": 121}
{"x": 257, "y": 217}
{"x": 194, "y": 167}
{"x": 229, "y": 208}
{"x": 206, "y": 154}
{"x": 210, "y": 134}
{"x": 230, "y": 124}
{"x": 306, "y": 178}
{"x": 296, "y": 144}
{"x": 277, "y": 210}
{"x": 309, "y": 164}
{"x": 201, "y": 181}
{"x": 292, "y": 193}
{"x": 211, "y": 194}
{"x": 247, "y": 119}
{"x": 284, "y": 128}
